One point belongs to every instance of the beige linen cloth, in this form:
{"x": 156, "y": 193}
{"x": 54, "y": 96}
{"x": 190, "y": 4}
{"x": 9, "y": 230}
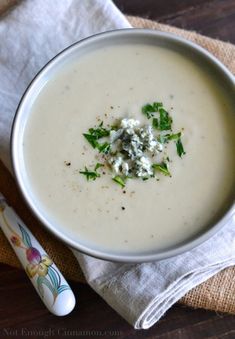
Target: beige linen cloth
{"x": 140, "y": 293}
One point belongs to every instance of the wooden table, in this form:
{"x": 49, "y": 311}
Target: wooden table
{"x": 22, "y": 315}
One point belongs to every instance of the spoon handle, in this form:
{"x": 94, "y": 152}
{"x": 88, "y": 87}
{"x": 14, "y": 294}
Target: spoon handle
{"x": 45, "y": 276}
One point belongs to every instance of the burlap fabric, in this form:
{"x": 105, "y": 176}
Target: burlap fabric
{"x": 218, "y": 293}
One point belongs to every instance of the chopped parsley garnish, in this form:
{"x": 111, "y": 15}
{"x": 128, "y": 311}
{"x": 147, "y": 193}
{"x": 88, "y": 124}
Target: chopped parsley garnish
{"x": 165, "y": 120}
{"x": 134, "y": 151}
{"x": 157, "y": 106}
{"x": 175, "y": 136}
{"x": 180, "y": 148}
{"x": 91, "y": 175}
{"x": 91, "y": 139}
{"x": 99, "y": 132}
{"x": 119, "y": 180}
{"x": 103, "y": 148}
{"x": 98, "y": 165}
{"x": 149, "y": 110}
{"x": 163, "y": 168}
{"x": 96, "y": 134}
{"x": 155, "y": 123}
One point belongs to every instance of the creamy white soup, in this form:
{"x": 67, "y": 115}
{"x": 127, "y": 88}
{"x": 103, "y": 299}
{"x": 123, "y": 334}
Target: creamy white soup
{"x": 146, "y": 215}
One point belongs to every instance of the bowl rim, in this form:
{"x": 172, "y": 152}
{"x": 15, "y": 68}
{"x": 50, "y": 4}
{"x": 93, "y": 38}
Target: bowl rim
{"x": 128, "y": 258}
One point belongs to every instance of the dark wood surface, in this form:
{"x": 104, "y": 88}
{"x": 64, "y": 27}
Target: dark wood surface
{"x": 22, "y": 315}
{"x": 215, "y": 18}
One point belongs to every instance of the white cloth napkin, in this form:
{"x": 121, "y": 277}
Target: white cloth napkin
{"x": 32, "y": 34}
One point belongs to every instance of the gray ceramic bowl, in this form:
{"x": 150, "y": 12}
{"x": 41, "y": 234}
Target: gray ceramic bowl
{"x": 189, "y": 49}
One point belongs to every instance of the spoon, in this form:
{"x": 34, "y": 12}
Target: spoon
{"x": 45, "y": 276}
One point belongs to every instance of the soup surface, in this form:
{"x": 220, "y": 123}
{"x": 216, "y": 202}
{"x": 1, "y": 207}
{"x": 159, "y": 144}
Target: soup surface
{"x": 115, "y": 82}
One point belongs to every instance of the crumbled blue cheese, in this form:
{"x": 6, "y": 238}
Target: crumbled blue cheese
{"x": 115, "y": 135}
{"x": 152, "y": 145}
{"x": 143, "y": 167}
{"x": 125, "y": 168}
{"x": 129, "y": 123}
{"x": 117, "y": 163}
{"x": 132, "y": 149}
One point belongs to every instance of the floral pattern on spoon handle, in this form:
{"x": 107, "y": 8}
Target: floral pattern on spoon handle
{"x": 43, "y": 273}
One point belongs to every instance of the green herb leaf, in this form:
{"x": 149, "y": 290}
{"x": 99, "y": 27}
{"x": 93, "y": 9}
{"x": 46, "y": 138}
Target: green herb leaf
{"x": 165, "y": 120}
{"x": 120, "y": 181}
{"x": 91, "y": 139}
{"x": 149, "y": 109}
{"x": 163, "y": 168}
{"x": 175, "y": 136}
{"x": 96, "y": 134}
{"x": 155, "y": 123}
{"x": 98, "y": 165}
{"x": 90, "y": 175}
{"x": 104, "y": 148}
{"x": 180, "y": 148}
{"x": 99, "y": 132}
{"x": 163, "y": 138}
{"x": 157, "y": 106}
